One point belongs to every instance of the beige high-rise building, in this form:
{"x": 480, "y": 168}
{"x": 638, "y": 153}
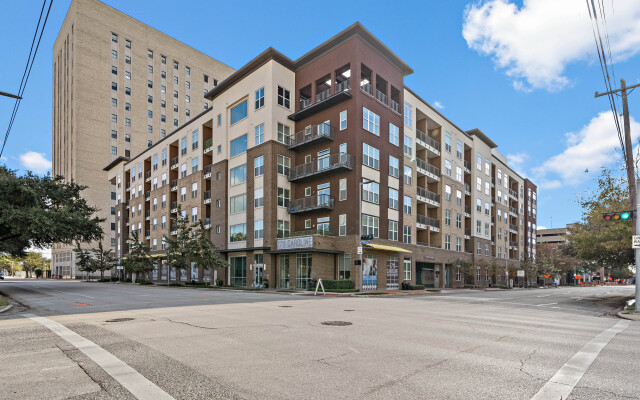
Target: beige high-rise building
{"x": 119, "y": 86}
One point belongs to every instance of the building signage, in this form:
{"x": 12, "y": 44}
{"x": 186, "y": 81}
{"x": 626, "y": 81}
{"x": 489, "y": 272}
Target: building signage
{"x": 295, "y": 243}
{"x": 635, "y": 242}
{"x": 520, "y": 273}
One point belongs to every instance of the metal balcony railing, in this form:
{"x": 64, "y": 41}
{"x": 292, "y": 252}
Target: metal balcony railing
{"x": 206, "y": 221}
{"x": 321, "y": 166}
{"x": 174, "y": 162}
{"x": 366, "y": 87}
{"x": 207, "y": 170}
{"x": 513, "y": 210}
{"x": 207, "y": 195}
{"x": 323, "y": 95}
{"x": 174, "y": 184}
{"x": 304, "y": 103}
{"x": 147, "y": 213}
{"x": 174, "y": 205}
{"x": 513, "y": 227}
{"x": 467, "y": 209}
{"x": 147, "y": 175}
{"x": 513, "y": 244}
{"x": 513, "y": 193}
{"x": 147, "y": 195}
{"x": 381, "y": 97}
{"x": 395, "y": 106}
{"x": 424, "y": 220}
{"x": 311, "y": 134}
{"x": 467, "y": 165}
{"x": 467, "y": 188}
{"x": 343, "y": 86}
{"x": 467, "y": 231}
{"x": 427, "y": 167}
{"x": 429, "y": 195}
{"x": 127, "y": 185}
{"x": 427, "y": 139}
{"x": 208, "y": 143}
{"x": 311, "y": 203}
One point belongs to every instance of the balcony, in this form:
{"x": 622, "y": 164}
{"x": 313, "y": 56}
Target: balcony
{"x": 207, "y": 223}
{"x": 467, "y": 189}
{"x": 467, "y": 167}
{"x": 174, "y": 185}
{"x": 343, "y": 86}
{"x": 127, "y": 186}
{"x": 207, "y": 171}
{"x": 208, "y": 145}
{"x": 174, "y": 207}
{"x": 467, "y": 211}
{"x": 311, "y": 136}
{"x": 513, "y": 194}
{"x": 174, "y": 162}
{"x": 467, "y": 233}
{"x": 323, "y": 101}
{"x": 366, "y": 87}
{"x": 395, "y": 106}
{"x": 513, "y": 245}
{"x": 429, "y": 197}
{"x": 147, "y": 215}
{"x": 322, "y": 166}
{"x": 147, "y": 235}
{"x": 207, "y": 197}
{"x": 147, "y": 176}
{"x": 430, "y": 171}
{"x": 174, "y": 230}
{"x": 311, "y": 203}
{"x": 381, "y": 97}
{"x": 513, "y": 212}
{"x": 147, "y": 196}
{"x": 427, "y": 142}
{"x": 513, "y": 228}
{"x": 425, "y": 222}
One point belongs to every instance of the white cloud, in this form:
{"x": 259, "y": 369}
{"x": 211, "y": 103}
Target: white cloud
{"x": 541, "y": 227}
{"x": 594, "y": 146}
{"x": 35, "y": 162}
{"x": 536, "y": 42}
{"x": 516, "y": 161}
{"x": 438, "y": 104}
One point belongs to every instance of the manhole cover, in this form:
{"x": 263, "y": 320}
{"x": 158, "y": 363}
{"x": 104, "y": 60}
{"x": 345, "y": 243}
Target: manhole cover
{"x": 119, "y": 320}
{"x": 336, "y": 323}
{"x": 285, "y": 306}
{"x": 349, "y": 310}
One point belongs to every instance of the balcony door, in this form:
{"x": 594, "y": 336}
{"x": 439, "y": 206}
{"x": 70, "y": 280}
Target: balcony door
{"x": 323, "y": 194}
{"x": 323, "y": 159}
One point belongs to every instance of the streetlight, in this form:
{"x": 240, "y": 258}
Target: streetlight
{"x": 10, "y": 95}
{"x": 364, "y": 182}
{"x": 506, "y": 259}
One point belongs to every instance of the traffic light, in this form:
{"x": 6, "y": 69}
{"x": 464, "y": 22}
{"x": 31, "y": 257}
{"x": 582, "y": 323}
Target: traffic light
{"x": 618, "y": 215}
{"x": 366, "y": 237}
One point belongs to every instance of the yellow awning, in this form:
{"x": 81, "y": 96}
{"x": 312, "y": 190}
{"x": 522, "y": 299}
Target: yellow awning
{"x": 387, "y": 248}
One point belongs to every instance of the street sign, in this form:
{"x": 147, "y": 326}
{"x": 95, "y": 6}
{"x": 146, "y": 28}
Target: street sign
{"x": 119, "y": 267}
{"x": 520, "y": 273}
{"x": 359, "y": 249}
{"x": 546, "y": 276}
{"x": 635, "y": 243}
{"x": 365, "y": 242}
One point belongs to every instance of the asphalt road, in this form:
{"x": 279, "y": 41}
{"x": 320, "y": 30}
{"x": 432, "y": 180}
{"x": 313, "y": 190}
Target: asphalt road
{"x": 202, "y": 344}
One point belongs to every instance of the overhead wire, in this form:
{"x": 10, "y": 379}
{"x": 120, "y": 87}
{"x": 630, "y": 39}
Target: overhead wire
{"x": 27, "y": 70}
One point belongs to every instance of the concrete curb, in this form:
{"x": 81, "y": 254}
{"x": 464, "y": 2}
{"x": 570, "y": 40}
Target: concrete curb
{"x": 6, "y": 308}
{"x": 630, "y": 317}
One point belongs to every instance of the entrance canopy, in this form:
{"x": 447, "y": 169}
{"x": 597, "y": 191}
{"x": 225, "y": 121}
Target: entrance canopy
{"x": 387, "y": 248}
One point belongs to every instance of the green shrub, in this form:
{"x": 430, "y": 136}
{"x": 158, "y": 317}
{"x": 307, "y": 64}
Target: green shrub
{"x": 416, "y": 287}
{"x": 332, "y": 284}
{"x": 144, "y": 282}
{"x": 104, "y": 280}
{"x": 331, "y": 290}
{"x": 176, "y": 284}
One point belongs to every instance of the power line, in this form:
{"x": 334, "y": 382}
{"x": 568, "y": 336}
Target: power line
{"x": 27, "y": 70}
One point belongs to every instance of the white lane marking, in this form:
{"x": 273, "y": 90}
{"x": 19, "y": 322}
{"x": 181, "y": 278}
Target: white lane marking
{"x": 568, "y": 376}
{"x": 548, "y": 304}
{"x": 546, "y": 295}
{"x": 74, "y": 294}
{"x": 139, "y": 386}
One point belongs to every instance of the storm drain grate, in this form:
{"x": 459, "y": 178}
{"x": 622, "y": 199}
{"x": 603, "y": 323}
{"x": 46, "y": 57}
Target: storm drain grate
{"x": 349, "y": 310}
{"x": 119, "y": 320}
{"x": 285, "y": 306}
{"x": 337, "y": 323}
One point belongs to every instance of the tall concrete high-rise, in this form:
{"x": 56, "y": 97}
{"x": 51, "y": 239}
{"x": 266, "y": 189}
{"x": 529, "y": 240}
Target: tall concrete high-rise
{"x": 118, "y": 87}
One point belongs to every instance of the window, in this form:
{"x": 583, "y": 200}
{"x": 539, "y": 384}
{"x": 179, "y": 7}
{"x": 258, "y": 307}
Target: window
{"x": 284, "y": 132}
{"x": 447, "y": 242}
{"x": 343, "y": 120}
{"x": 237, "y": 233}
{"x": 408, "y": 145}
{"x": 487, "y": 167}
{"x": 127, "y": 122}
{"x": 307, "y": 224}
{"x": 259, "y": 98}
{"x": 499, "y": 233}
{"x": 283, "y": 197}
{"x": 487, "y": 189}
{"x": 284, "y": 99}
{"x": 406, "y": 236}
{"x": 342, "y": 224}
{"x": 114, "y": 54}
{"x": 219, "y": 119}
{"x": 114, "y": 86}
{"x": 164, "y": 159}
{"x": 447, "y": 167}
{"x": 343, "y": 189}
{"x": 194, "y": 214}
{"x": 479, "y": 252}
{"x": 114, "y": 70}
{"x": 323, "y": 224}
{"x": 114, "y": 118}
{"x": 282, "y": 229}
{"x": 459, "y": 149}
{"x": 187, "y": 98}
{"x": 394, "y": 134}
{"x": 238, "y": 145}
{"x": 371, "y": 192}
{"x": 259, "y": 134}
{"x": 114, "y": 150}
{"x": 479, "y": 162}
{"x": 393, "y": 198}
{"x": 175, "y": 94}
{"x": 458, "y": 220}
{"x": 408, "y": 114}
{"x": 127, "y": 91}
{"x": 447, "y": 217}
{"x": 479, "y": 227}
{"x": 206, "y": 79}
{"x": 407, "y": 205}
{"x": 258, "y": 166}
{"x": 114, "y": 134}
{"x": 175, "y": 65}
{"x": 479, "y": 184}
{"x": 258, "y": 229}
{"x": 370, "y": 156}
{"x": 284, "y": 165}
{"x": 487, "y": 209}
{"x": 458, "y": 197}
{"x": 258, "y": 198}
{"x": 238, "y": 175}
{"x": 459, "y": 174}
{"x": 394, "y": 167}
{"x": 175, "y": 107}
{"x": 408, "y": 172}
{"x": 238, "y": 204}
{"x": 447, "y": 142}
{"x": 371, "y": 121}
{"x": 447, "y": 192}
{"x": 370, "y": 225}
{"x": 486, "y": 229}
{"x": 478, "y": 205}
{"x": 183, "y": 193}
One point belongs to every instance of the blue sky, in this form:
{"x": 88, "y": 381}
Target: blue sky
{"x": 525, "y": 74}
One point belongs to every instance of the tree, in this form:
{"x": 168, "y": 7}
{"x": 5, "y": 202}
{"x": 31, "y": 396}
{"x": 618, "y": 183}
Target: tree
{"x": 604, "y": 243}
{"x": 138, "y": 261}
{"x": 466, "y": 269}
{"x": 180, "y": 251}
{"x": 103, "y": 259}
{"x": 204, "y": 253}
{"x": 10, "y": 263}
{"x": 530, "y": 267}
{"x": 83, "y": 260}
{"x": 33, "y": 261}
{"x": 38, "y": 211}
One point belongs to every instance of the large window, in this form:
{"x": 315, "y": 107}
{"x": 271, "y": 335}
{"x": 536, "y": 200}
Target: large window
{"x": 394, "y": 167}
{"x": 258, "y": 166}
{"x": 238, "y": 203}
{"x": 238, "y": 112}
{"x": 370, "y": 225}
{"x": 284, "y": 97}
{"x": 259, "y": 98}
{"x": 407, "y": 269}
{"x": 238, "y": 175}
{"x": 238, "y": 145}
{"x": 344, "y": 266}
{"x": 258, "y": 229}
{"x": 371, "y": 121}
{"x": 283, "y": 197}
{"x": 284, "y": 133}
{"x": 258, "y": 197}
{"x": 408, "y": 173}
{"x": 407, "y": 234}
{"x": 408, "y": 146}
{"x": 371, "y": 192}
{"x": 393, "y": 198}
{"x": 394, "y": 134}
{"x": 408, "y": 114}
{"x": 259, "y": 134}
{"x": 303, "y": 270}
{"x": 407, "y": 205}
{"x": 343, "y": 189}
{"x": 238, "y": 233}
{"x": 393, "y": 230}
{"x": 370, "y": 156}
{"x": 284, "y": 165}
{"x": 342, "y": 224}
{"x": 238, "y": 268}
{"x": 283, "y": 229}
{"x": 343, "y": 120}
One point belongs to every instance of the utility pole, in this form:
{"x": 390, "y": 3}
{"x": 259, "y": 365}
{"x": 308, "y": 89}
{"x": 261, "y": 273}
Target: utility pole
{"x": 631, "y": 176}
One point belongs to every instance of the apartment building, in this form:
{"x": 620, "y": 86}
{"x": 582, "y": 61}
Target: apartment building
{"x": 530, "y": 217}
{"x": 295, "y": 160}
{"x": 119, "y": 86}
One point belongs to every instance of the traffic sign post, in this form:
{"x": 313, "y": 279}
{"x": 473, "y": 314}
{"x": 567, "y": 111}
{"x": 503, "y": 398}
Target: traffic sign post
{"x": 359, "y": 249}
{"x": 635, "y": 242}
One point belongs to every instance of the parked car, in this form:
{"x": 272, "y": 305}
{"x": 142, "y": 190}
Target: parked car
{"x": 1, "y": 276}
